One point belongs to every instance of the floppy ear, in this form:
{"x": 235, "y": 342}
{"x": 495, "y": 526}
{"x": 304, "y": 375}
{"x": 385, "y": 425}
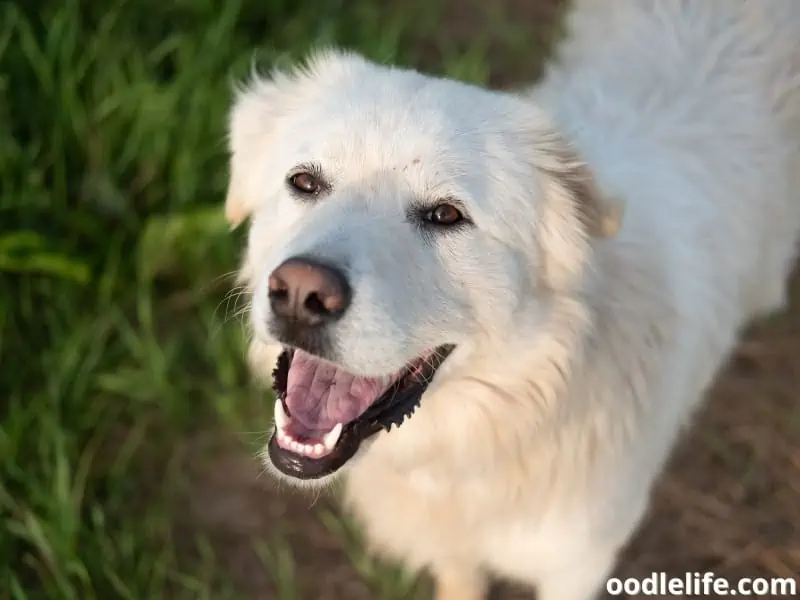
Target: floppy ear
{"x": 575, "y": 209}
{"x": 601, "y": 214}
{"x": 257, "y": 107}
{"x": 249, "y": 125}
{"x": 572, "y": 182}
{"x": 236, "y": 210}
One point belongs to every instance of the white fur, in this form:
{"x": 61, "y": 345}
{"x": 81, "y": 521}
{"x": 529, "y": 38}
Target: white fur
{"x": 579, "y": 357}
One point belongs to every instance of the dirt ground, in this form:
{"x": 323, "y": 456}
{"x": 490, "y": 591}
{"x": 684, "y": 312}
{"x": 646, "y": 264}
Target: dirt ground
{"x": 729, "y": 503}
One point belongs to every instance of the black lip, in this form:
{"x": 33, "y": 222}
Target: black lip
{"x": 303, "y": 467}
{"x": 314, "y": 340}
{"x": 394, "y": 406}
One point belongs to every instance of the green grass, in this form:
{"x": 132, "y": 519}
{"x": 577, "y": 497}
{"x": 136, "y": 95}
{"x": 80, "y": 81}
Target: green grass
{"x": 116, "y": 338}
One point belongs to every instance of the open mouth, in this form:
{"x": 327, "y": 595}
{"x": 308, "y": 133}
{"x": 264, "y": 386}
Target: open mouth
{"x": 323, "y": 413}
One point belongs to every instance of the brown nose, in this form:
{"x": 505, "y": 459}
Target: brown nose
{"x": 308, "y": 293}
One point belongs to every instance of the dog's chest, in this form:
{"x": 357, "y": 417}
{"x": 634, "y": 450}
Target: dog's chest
{"x": 421, "y": 513}
{"x": 406, "y": 492}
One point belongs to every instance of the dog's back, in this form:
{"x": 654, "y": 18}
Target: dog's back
{"x": 701, "y": 94}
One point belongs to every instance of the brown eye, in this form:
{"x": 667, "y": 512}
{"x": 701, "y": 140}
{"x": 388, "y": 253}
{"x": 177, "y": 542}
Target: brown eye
{"x": 445, "y": 214}
{"x": 305, "y": 183}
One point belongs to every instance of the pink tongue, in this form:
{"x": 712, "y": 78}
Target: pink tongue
{"x": 319, "y": 394}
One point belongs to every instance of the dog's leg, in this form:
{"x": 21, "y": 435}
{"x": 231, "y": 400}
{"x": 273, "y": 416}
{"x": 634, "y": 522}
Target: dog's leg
{"x": 460, "y": 584}
{"x": 584, "y": 580}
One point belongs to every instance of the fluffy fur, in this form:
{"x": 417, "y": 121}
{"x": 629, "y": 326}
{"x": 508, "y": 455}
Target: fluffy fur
{"x": 580, "y": 354}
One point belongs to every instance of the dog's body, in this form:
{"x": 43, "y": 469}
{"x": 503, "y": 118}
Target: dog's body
{"x": 578, "y": 358}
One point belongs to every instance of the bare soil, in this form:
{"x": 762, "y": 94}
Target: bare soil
{"x": 728, "y": 503}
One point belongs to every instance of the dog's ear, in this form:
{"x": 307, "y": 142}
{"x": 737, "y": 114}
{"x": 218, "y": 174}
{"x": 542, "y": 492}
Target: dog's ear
{"x": 256, "y": 109}
{"x": 601, "y": 214}
{"x": 236, "y": 209}
{"x": 249, "y": 125}
{"x": 574, "y": 212}
{"x": 571, "y": 181}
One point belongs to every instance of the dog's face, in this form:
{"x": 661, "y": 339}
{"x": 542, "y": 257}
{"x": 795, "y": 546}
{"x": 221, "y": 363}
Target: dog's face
{"x": 399, "y": 223}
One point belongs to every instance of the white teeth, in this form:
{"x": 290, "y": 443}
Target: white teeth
{"x": 330, "y": 439}
{"x": 280, "y": 416}
{"x": 316, "y": 450}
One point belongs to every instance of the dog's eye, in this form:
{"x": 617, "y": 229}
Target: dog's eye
{"x": 305, "y": 183}
{"x": 445, "y": 214}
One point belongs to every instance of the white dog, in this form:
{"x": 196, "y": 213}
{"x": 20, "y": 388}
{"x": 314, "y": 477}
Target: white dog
{"x": 419, "y": 243}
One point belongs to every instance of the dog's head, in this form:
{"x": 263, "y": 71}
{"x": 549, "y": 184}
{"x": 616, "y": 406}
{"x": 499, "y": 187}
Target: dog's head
{"x": 400, "y": 224}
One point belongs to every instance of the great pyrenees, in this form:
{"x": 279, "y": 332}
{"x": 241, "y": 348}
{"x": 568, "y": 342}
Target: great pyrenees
{"x": 492, "y": 312}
